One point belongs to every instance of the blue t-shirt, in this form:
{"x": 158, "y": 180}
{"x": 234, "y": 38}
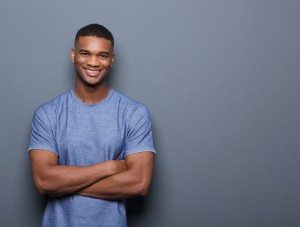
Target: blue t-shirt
{"x": 81, "y": 134}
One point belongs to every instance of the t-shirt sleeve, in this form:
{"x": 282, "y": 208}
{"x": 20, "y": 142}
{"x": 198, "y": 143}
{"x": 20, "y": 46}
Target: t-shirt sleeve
{"x": 139, "y": 133}
{"x": 42, "y": 135}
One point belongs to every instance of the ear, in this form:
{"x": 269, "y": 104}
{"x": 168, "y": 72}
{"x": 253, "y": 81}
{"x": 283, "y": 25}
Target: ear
{"x": 72, "y": 55}
{"x": 113, "y": 59}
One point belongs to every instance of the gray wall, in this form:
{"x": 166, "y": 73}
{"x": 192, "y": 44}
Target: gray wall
{"x": 221, "y": 79}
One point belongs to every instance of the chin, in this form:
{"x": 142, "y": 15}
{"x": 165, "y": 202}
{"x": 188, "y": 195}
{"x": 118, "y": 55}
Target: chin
{"x": 94, "y": 83}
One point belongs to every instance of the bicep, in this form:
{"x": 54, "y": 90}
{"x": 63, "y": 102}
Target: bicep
{"x": 139, "y": 132}
{"x": 42, "y": 135}
{"x": 40, "y": 161}
{"x": 141, "y": 164}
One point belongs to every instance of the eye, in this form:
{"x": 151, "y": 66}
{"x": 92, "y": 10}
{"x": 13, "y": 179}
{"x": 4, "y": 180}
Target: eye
{"x": 84, "y": 53}
{"x": 103, "y": 56}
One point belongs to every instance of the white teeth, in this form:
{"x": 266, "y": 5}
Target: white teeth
{"x": 92, "y": 72}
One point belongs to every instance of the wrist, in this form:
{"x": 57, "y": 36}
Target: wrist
{"x": 112, "y": 167}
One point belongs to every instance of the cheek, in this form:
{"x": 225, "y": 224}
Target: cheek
{"x": 78, "y": 67}
{"x": 106, "y": 64}
{"x": 79, "y": 61}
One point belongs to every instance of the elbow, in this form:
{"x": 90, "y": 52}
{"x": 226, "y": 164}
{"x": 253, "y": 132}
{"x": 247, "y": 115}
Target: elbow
{"x": 41, "y": 187}
{"x": 41, "y": 191}
{"x": 141, "y": 185}
{"x": 143, "y": 192}
{"x": 44, "y": 188}
{"x": 142, "y": 189}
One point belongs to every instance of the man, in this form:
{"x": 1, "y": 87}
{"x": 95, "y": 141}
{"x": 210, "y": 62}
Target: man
{"x": 91, "y": 147}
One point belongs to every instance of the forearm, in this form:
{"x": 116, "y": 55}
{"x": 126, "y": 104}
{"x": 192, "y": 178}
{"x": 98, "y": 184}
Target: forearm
{"x": 60, "y": 180}
{"x": 135, "y": 181}
{"x": 119, "y": 186}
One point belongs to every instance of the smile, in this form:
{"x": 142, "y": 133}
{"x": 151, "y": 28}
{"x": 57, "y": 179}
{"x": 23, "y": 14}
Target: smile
{"x": 92, "y": 72}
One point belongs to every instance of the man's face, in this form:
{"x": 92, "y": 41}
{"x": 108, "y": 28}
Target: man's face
{"x": 92, "y": 57}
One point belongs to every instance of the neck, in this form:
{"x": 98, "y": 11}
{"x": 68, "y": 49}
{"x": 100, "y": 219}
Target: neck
{"x": 91, "y": 95}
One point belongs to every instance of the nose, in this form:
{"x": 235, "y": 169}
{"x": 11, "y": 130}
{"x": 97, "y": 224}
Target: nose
{"x": 93, "y": 61}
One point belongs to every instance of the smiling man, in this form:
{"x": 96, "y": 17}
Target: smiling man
{"x": 91, "y": 147}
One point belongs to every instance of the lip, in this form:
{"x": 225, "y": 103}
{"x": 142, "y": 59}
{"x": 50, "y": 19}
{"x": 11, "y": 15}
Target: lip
{"x": 92, "y": 72}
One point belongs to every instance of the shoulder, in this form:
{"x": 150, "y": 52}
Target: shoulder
{"x": 127, "y": 101}
{"x": 52, "y": 106}
{"x": 132, "y": 110}
{"x": 130, "y": 106}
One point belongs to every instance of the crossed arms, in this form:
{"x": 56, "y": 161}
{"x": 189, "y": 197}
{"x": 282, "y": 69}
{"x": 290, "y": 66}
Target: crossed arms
{"x": 113, "y": 179}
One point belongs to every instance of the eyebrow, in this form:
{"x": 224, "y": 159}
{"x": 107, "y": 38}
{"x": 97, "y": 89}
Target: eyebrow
{"x": 101, "y": 52}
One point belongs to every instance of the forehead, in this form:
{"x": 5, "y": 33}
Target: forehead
{"x": 93, "y": 43}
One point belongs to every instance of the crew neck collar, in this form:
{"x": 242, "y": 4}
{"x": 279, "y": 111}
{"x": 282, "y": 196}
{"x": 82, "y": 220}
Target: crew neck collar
{"x": 78, "y": 100}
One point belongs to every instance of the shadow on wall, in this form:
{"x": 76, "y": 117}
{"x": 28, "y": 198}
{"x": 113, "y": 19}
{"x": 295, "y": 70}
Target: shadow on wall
{"x": 135, "y": 206}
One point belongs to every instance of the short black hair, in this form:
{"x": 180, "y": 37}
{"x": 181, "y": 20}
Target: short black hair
{"x": 97, "y": 30}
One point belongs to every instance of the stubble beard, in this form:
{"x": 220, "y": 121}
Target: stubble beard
{"x": 99, "y": 83}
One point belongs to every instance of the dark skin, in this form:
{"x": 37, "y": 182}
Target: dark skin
{"x": 93, "y": 57}
{"x": 113, "y": 179}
